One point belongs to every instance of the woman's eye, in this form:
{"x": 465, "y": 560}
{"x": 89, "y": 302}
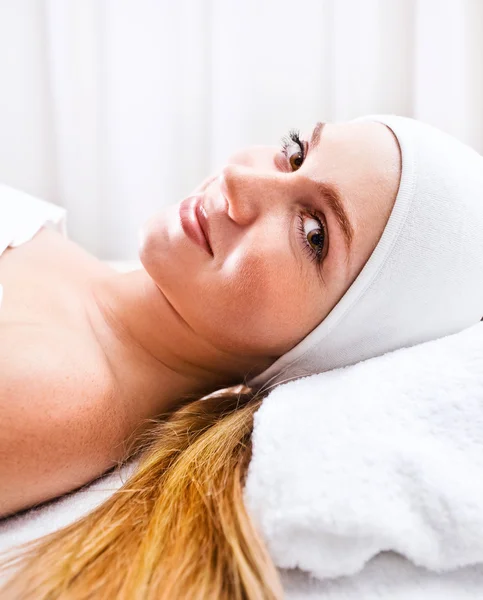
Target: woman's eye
{"x": 294, "y": 149}
{"x": 315, "y": 234}
{"x": 295, "y": 157}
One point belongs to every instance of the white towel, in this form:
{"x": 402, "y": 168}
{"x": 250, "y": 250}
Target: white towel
{"x": 352, "y": 466}
{"x": 385, "y": 455}
{"x": 22, "y": 216}
{"x": 60, "y": 512}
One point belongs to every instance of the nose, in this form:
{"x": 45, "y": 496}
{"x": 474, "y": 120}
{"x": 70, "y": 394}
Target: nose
{"x": 251, "y": 193}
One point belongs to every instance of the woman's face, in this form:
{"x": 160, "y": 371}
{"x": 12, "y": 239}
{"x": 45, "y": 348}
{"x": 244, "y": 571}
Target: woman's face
{"x": 289, "y": 229}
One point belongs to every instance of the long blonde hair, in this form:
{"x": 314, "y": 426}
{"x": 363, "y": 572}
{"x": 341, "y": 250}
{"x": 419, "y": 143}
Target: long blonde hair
{"x": 177, "y": 529}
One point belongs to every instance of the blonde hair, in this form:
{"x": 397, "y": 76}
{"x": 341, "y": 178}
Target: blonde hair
{"x": 177, "y": 529}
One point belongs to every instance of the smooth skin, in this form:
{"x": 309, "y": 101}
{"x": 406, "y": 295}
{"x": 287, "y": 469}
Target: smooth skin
{"x": 88, "y": 354}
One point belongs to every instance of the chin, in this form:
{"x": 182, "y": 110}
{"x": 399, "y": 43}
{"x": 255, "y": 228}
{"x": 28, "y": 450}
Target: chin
{"x": 152, "y": 241}
{"x": 163, "y": 249}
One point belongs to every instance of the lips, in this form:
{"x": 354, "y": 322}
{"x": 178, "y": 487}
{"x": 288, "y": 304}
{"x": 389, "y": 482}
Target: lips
{"x": 194, "y": 222}
{"x": 203, "y": 222}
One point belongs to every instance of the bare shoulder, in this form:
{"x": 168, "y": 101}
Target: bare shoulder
{"x": 58, "y": 423}
{"x": 50, "y": 368}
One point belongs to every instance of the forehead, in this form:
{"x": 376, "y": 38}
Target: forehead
{"x": 357, "y": 152}
{"x": 363, "y": 161}
{"x": 362, "y": 147}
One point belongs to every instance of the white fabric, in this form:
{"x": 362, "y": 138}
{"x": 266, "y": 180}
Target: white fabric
{"x": 424, "y": 279}
{"x": 384, "y": 456}
{"x": 59, "y": 512}
{"x": 116, "y": 108}
{"x": 388, "y": 577}
{"x": 22, "y": 216}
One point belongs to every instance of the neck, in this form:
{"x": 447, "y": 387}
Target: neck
{"x": 156, "y": 357}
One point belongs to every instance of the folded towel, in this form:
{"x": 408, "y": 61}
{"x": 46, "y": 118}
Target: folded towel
{"x": 384, "y": 455}
{"x": 387, "y": 577}
{"x": 22, "y": 216}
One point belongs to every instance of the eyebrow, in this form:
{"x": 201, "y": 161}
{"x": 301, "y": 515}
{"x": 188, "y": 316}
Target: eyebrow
{"x": 330, "y": 195}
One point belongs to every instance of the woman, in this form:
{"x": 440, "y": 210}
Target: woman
{"x": 312, "y": 256}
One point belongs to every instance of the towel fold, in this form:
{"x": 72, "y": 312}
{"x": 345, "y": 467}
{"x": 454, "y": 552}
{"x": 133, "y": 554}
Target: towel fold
{"x": 384, "y": 455}
{"x": 22, "y": 216}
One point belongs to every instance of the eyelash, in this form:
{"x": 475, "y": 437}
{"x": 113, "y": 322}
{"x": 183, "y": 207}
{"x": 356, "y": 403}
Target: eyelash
{"x": 293, "y": 137}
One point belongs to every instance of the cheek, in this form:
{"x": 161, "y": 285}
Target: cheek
{"x": 258, "y": 304}
{"x": 260, "y": 301}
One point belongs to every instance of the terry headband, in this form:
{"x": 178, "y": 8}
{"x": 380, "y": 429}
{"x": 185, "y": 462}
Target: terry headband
{"x": 424, "y": 279}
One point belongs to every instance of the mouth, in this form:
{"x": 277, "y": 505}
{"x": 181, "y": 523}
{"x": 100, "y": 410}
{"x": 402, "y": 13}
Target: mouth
{"x": 194, "y": 222}
{"x": 203, "y": 222}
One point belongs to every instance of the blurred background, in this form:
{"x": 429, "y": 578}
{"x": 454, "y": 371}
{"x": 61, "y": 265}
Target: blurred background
{"x": 116, "y": 108}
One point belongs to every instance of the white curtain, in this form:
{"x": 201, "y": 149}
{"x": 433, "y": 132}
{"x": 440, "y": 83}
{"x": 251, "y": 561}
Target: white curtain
{"x": 114, "y": 108}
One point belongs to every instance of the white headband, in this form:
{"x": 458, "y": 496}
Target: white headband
{"x": 424, "y": 279}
